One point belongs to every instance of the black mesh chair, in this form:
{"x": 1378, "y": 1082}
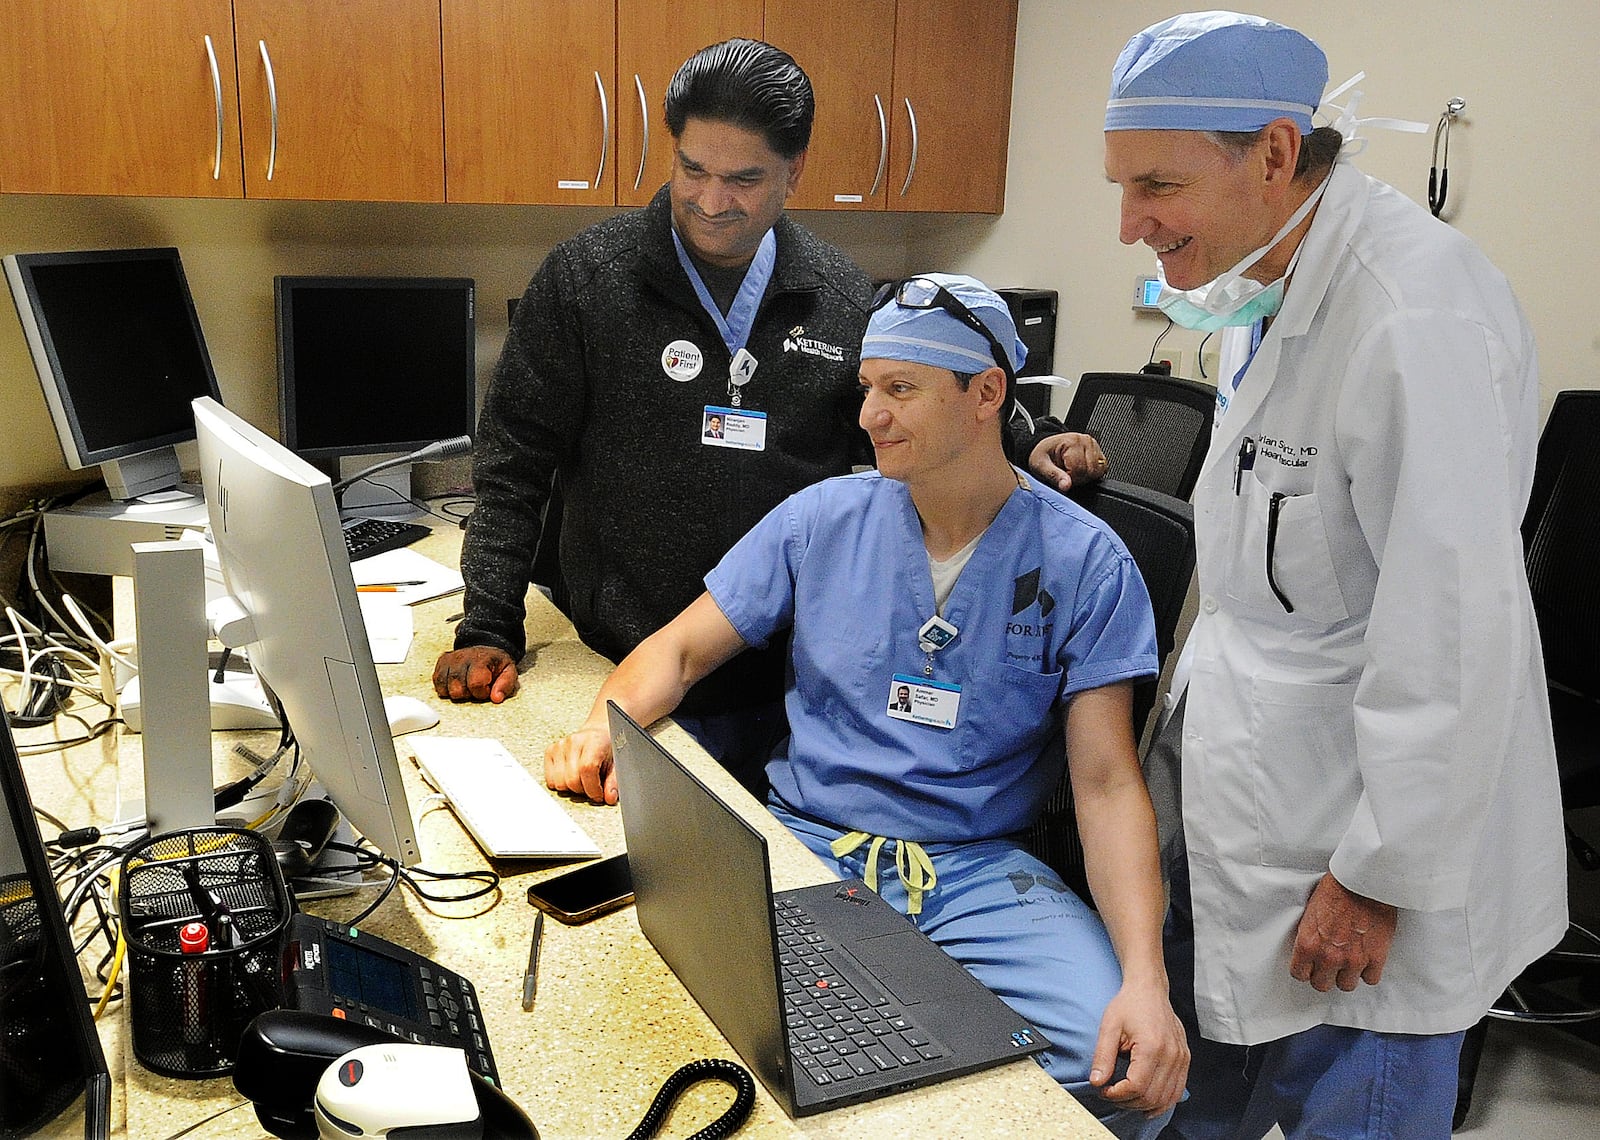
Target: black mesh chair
{"x": 1561, "y": 541}
{"x": 1154, "y": 428}
{"x": 1158, "y": 531}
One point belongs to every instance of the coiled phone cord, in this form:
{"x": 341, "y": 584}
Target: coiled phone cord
{"x": 713, "y": 1069}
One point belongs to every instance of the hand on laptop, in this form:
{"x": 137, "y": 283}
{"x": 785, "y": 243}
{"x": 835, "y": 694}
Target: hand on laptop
{"x": 1139, "y": 1022}
{"x": 582, "y": 764}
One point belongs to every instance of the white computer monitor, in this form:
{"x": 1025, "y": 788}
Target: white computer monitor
{"x": 276, "y": 530}
{"x": 119, "y": 353}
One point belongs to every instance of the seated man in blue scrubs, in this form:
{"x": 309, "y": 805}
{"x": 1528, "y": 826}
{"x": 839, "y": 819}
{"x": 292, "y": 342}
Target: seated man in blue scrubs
{"x": 1005, "y": 613}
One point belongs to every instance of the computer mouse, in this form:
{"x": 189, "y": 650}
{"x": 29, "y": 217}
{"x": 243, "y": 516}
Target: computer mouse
{"x": 408, "y": 714}
{"x": 377, "y": 1091}
{"x": 305, "y": 832}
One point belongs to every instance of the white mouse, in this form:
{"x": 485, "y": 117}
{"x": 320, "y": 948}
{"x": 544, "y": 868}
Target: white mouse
{"x": 382, "y": 1090}
{"x": 408, "y": 714}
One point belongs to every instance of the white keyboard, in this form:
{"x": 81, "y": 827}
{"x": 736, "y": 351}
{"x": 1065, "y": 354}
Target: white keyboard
{"x": 509, "y": 813}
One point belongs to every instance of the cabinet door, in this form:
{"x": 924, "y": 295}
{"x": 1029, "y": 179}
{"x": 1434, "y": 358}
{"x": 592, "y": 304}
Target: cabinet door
{"x": 341, "y": 100}
{"x": 847, "y": 47}
{"x": 653, "y": 40}
{"x": 118, "y": 97}
{"x": 529, "y": 104}
{"x": 951, "y": 120}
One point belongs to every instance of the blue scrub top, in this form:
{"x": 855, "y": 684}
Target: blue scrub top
{"x": 1050, "y": 604}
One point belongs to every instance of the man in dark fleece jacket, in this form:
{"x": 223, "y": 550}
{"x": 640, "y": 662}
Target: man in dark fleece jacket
{"x": 630, "y": 335}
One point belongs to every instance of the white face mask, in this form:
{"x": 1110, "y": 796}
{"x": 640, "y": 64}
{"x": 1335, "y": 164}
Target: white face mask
{"x": 1233, "y": 298}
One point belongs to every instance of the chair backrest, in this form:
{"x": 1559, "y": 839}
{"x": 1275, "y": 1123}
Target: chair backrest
{"x": 1158, "y": 531}
{"x": 1561, "y": 541}
{"x": 1155, "y": 428}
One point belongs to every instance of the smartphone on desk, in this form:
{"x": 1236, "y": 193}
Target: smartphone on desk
{"x": 591, "y": 890}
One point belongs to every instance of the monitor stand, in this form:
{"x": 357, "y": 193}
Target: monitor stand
{"x": 93, "y": 535}
{"x": 382, "y": 495}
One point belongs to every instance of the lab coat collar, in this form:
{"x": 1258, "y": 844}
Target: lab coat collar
{"x": 1336, "y": 219}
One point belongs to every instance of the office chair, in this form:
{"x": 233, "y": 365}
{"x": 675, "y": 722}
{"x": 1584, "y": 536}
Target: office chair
{"x": 1154, "y": 428}
{"x": 1158, "y": 531}
{"x": 1561, "y": 541}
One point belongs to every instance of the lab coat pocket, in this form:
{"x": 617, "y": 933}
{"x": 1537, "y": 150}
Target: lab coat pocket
{"x": 1303, "y": 771}
{"x": 1002, "y": 709}
{"x": 1282, "y": 561}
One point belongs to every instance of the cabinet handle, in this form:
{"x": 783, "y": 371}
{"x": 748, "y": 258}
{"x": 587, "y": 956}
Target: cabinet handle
{"x": 644, "y": 121}
{"x": 605, "y": 128}
{"x": 216, "y": 90}
{"x": 912, "y": 169}
{"x": 883, "y": 147}
{"x": 272, "y": 102}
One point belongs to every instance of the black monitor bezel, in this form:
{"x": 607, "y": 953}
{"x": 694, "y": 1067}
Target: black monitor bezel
{"x": 81, "y": 454}
{"x": 18, "y": 804}
{"x": 284, "y": 289}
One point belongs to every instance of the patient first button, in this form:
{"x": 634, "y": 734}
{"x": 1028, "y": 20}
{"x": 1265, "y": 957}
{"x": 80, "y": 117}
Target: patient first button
{"x": 1208, "y": 604}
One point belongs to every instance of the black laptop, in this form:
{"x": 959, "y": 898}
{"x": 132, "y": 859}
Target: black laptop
{"x": 53, "y": 1077}
{"x": 830, "y": 994}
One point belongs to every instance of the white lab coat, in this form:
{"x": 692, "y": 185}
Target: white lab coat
{"x": 1394, "y": 727}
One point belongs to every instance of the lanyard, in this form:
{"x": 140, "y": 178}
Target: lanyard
{"x": 741, "y": 317}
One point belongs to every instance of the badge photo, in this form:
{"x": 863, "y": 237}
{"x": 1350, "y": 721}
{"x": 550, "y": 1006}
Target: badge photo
{"x": 681, "y": 360}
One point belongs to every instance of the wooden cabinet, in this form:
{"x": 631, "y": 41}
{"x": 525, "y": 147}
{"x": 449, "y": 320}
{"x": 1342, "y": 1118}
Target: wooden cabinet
{"x": 341, "y": 100}
{"x": 118, "y": 97}
{"x": 529, "y": 109}
{"x": 653, "y": 39}
{"x": 913, "y": 101}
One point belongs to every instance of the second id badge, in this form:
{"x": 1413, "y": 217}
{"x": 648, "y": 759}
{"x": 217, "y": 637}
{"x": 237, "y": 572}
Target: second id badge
{"x": 924, "y": 701}
{"x": 733, "y": 427}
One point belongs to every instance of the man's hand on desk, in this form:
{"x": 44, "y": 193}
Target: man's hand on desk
{"x": 476, "y": 673}
{"x": 582, "y": 763}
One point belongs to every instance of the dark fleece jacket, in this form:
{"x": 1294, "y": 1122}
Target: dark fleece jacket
{"x": 580, "y": 392}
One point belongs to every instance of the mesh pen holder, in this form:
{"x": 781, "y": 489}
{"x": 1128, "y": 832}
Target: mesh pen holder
{"x": 188, "y": 1009}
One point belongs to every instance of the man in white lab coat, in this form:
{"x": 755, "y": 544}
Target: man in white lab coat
{"x": 1370, "y": 805}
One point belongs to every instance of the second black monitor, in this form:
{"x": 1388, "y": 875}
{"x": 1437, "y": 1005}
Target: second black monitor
{"x": 374, "y": 365}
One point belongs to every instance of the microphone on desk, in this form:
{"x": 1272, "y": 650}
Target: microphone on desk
{"x": 442, "y": 449}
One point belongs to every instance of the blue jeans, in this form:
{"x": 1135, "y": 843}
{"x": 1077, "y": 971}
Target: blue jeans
{"x": 1010, "y": 921}
{"x": 1325, "y": 1083}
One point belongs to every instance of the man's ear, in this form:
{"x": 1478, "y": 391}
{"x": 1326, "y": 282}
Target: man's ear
{"x": 1281, "y": 141}
{"x": 990, "y": 385}
{"x": 797, "y": 165}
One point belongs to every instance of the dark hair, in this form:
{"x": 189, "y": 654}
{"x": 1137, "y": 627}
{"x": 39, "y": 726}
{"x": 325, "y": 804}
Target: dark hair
{"x": 748, "y": 84}
{"x": 1318, "y": 150}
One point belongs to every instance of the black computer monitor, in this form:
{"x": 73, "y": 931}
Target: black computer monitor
{"x": 284, "y": 563}
{"x": 119, "y": 352}
{"x": 374, "y": 365}
{"x": 53, "y": 1076}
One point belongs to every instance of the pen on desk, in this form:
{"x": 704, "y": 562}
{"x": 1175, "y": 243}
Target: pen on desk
{"x": 530, "y": 979}
{"x": 386, "y": 587}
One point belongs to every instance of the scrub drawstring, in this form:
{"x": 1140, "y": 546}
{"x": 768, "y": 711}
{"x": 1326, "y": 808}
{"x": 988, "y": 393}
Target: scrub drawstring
{"x": 911, "y": 861}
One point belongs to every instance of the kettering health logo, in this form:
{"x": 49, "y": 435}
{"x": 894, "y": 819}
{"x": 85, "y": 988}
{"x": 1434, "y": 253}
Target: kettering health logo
{"x": 797, "y": 341}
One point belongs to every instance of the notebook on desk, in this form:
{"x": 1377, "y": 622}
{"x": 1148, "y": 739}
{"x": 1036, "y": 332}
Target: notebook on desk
{"x": 827, "y": 992}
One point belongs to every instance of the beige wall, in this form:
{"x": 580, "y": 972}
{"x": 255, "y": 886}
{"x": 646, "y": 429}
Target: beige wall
{"x": 1523, "y": 171}
{"x": 1524, "y": 159}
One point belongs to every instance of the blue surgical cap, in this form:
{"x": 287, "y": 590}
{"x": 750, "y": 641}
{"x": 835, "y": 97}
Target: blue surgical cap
{"x": 937, "y": 338}
{"x": 1215, "y": 71}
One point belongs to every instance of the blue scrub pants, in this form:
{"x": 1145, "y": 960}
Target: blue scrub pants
{"x": 1011, "y": 922}
{"x": 1326, "y": 1083}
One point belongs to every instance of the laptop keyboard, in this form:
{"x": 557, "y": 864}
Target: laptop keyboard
{"x": 842, "y": 1025}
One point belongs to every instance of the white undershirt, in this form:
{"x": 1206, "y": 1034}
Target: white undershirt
{"x": 945, "y": 573}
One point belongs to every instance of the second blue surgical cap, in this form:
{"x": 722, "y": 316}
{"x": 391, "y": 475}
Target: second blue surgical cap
{"x": 1215, "y": 71}
{"x": 935, "y": 337}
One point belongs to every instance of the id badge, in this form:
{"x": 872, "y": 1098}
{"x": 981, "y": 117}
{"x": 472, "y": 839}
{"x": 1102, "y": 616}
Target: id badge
{"x": 733, "y": 427}
{"x": 924, "y": 701}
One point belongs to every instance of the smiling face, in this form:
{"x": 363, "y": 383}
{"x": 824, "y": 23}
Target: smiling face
{"x": 1200, "y": 207}
{"x": 728, "y": 189}
{"x": 922, "y": 423}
